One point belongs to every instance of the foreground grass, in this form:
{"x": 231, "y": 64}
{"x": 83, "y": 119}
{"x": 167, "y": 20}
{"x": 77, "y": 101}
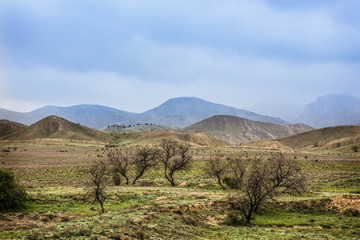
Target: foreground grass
{"x": 55, "y": 176}
{"x": 166, "y": 213}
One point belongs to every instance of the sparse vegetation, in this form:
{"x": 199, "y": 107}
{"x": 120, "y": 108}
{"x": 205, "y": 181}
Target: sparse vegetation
{"x": 194, "y": 209}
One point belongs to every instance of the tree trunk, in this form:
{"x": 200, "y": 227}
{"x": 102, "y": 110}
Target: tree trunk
{"x": 102, "y": 207}
{"x": 138, "y": 176}
{"x": 219, "y": 181}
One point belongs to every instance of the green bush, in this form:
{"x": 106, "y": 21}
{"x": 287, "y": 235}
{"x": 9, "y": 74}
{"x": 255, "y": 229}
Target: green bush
{"x": 12, "y": 195}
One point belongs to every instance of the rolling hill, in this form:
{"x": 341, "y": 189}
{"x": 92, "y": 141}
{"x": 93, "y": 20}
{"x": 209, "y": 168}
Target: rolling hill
{"x": 176, "y": 112}
{"x": 341, "y": 138}
{"x": 155, "y": 137}
{"x": 136, "y": 128}
{"x": 9, "y": 127}
{"x": 236, "y": 130}
{"x": 56, "y": 127}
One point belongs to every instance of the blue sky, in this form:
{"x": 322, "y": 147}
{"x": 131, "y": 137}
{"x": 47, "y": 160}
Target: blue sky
{"x": 134, "y": 55}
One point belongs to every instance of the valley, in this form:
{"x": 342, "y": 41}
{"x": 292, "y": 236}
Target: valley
{"x": 52, "y": 159}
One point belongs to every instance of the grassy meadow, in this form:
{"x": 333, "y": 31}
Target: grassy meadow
{"x": 55, "y": 173}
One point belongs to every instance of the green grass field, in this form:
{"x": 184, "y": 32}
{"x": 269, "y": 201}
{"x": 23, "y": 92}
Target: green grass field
{"x": 55, "y": 175}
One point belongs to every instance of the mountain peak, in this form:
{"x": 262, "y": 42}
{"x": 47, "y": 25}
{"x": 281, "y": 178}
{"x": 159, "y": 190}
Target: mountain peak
{"x": 184, "y": 111}
{"x": 184, "y": 100}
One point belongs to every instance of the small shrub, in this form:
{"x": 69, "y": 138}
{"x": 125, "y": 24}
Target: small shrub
{"x": 116, "y": 179}
{"x": 12, "y": 195}
{"x": 355, "y": 148}
{"x": 146, "y": 183}
{"x": 233, "y": 219}
{"x": 65, "y": 219}
{"x": 229, "y": 181}
{"x": 352, "y": 212}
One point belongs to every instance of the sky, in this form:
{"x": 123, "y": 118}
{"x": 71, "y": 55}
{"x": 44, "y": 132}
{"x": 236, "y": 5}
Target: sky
{"x": 133, "y": 55}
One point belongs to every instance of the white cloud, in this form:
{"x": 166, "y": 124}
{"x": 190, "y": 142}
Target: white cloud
{"x": 133, "y": 55}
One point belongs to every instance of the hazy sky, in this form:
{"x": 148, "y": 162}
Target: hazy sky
{"x": 134, "y": 55}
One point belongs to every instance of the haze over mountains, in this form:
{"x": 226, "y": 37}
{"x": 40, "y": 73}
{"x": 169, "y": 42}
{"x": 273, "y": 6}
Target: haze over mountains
{"x": 178, "y": 112}
{"x": 328, "y": 110}
{"x": 332, "y": 110}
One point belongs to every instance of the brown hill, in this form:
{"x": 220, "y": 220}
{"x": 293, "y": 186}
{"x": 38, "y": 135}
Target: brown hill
{"x": 155, "y": 137}
{"x": 340, "y": 138}
{"x": 236, "y": 130}
{"x": 56, "y": 127}
{"x": 9, "y": 127}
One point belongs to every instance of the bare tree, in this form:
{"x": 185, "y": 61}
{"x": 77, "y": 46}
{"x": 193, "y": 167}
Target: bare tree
{"x": 237, "y": 167}
{"x": 174, "y": 158}
{"x": 121, "y": 161}
{"x": 263, "y": 180}
{"x": 98, "y": 182}
{"x": 217, "y": 167}
{"x": 144, "y": 159}
{"x": 132, "y": 163}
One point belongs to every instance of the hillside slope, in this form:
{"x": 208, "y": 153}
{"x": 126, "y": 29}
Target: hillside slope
{"x": 9, "y": 127}
{"x": 136, "y": 128}
{"x": 341, "y": 138}
{"x": 236, "y": 130}
{"x": 155, "y": 137}
{"x": 56, "y": 127}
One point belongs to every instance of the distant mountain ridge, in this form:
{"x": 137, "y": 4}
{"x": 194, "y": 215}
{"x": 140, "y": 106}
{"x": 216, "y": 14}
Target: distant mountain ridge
{"x": 177, "y": 112}
{"x": 332, "y": 110}
{"x": 236, "y": 130}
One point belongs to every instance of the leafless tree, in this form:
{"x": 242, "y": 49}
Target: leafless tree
{"x": 217, "y": 167}
{"x": 237, "y": 167}
{"x": 174, "y": 158}
{"x": 121, "y": 161}
{"x": 98, "y": 182}
{"x": 132, "y": 163}
{"x": 144, "y": 158}
{"x": 263, "y": 180}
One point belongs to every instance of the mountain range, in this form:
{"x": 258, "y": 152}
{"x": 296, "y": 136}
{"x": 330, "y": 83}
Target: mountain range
{"x": 177, "y": 112}
{"x": 329, "y": 110}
